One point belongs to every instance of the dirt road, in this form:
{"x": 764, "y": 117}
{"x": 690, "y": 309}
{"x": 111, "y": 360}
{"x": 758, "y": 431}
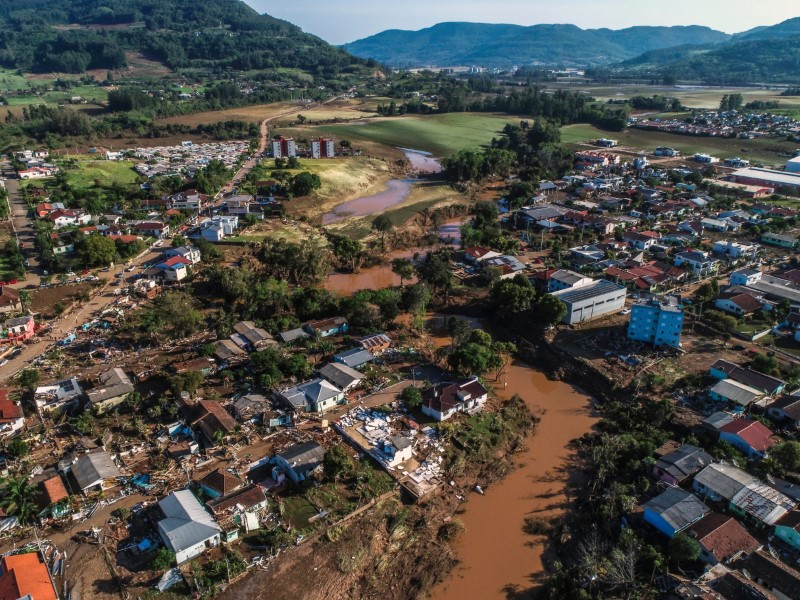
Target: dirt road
{"x": 262, "y": 148}
{"x": 70, "y": 320}
{"x": 22, "y": 225}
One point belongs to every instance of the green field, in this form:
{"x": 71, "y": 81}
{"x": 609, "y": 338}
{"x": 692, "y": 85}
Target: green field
{"x": 767, "y": 151}
{"x": 106, "y": 172}
{"x": 690, "y": 96}
{"x": 441, "y": 135}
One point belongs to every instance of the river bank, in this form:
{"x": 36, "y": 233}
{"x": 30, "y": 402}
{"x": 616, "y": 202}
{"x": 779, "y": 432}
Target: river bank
{"x": 399, "y": 548}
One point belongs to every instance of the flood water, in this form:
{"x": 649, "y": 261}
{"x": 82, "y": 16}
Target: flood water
{"x": 422, "y": 162}
{"x": 372, "y": 278}
{"x": 450, "y": 232}
{"x": 396, "y": 192}
{"x": 496, "y": 554}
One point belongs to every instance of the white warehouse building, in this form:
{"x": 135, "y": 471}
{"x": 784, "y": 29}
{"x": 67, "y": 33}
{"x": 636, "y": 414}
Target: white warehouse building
{"x": 593, "y": 301}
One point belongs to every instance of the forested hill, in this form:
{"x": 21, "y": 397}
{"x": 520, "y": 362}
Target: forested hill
{"x": 450, "y": 44}
{"x": 221, "y": 35}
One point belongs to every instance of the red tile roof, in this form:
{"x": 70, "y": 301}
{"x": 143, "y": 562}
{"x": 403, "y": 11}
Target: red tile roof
{"x": 23, "y": 575}
{"x": 757, "y": 436}
{"x": 54, "y": 490}
{"x": 221, "y": 481}
{"x": 722, "y": 536}
{"x": 9, "y": 411}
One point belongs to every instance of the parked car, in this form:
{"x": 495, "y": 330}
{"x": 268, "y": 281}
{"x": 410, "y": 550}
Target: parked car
{"x": 625, "y": 311}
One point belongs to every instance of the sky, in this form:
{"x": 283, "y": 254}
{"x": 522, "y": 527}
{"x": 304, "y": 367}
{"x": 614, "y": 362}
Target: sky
{"x": 340, "y": 21}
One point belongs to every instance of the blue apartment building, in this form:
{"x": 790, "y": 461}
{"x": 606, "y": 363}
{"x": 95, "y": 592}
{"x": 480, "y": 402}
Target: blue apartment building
{"x": 658, "y": 321}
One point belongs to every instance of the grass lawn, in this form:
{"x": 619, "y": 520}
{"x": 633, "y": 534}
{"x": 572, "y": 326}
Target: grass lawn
{"x": 692, "y": 97}
{"x": 106, "y": 171}
{"x": 11, "y": 82}
{"x": 297, "y": 511}
{"x": 441, "y": 135}
{"x": 343, "y": 179}
{"x": 768, "y": 151}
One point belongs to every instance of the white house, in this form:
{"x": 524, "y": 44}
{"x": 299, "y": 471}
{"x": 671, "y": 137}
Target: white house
{"x": 735, "y": 249}
{"x": 444, "y": 400}
{"x": 187, "y": 529}
{"x": 564, "y": 279}
{"x": 699, "y": 263}
{"x": 12, "y": 419}
{"x": 190, "y": 253}
{"x": 593, "y": 301}
{"x": 56, "y": 395}
{"x": 317, "y": 395}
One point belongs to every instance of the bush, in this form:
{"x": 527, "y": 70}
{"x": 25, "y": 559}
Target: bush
{"x": 163, "y": 559}
{"x": 451, "y": 530}
{"x": 411, "y": 397}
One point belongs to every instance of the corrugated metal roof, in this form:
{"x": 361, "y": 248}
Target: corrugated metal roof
{"x": 187, "y": 523}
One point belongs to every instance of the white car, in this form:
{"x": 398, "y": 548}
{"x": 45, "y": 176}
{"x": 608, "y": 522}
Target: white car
{"x": 625, "y": 311}
{"x": 158, "y": 244}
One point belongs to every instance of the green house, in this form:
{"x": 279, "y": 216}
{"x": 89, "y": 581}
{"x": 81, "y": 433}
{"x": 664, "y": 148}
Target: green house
{"x": 788, "y": 529}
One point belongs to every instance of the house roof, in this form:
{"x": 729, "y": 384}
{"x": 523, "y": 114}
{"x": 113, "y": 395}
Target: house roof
{"x": 113, "y": 383}
{"x": 221, "y": 481}
{"x": 8, "y": 296}
{"x": 718, "y": 419}
{"x": 340, "y": 375}
{"x": 722, "y": 536}
{"x": 9, "y": 411}
{"x": 304, "y": 456}
{"x": 790, "y": 520}
{"x": 254, "y": 335}
{"x": 772, "y": 573}
{"x": 211, "y": 417}
{"x": 239, "y": 500}
{"x": 293, "y": 334}
{"x": 763, "y": 502}
{"x": 725, "y": 480}
{"x": 747, "y": 302}
{"x": 327, "y": 324}
{"x": 749, "y": 377}
{"x": 354, "y": 357}
{"x": 600, "y": 287}
{"x": 90, "y": 469}
{"x": 187, "y": 523}
{"x": 677, "y": 507}
{"x": 736, "y": 392}
{"x": 443, "y": 397}
{"x": 567, "y": 277}
{"x": 684, "y": 461}
{"x": 379, "y": 340}
{"x": 53, "y": 490}
{"x": 790, "y": 405}
{"x": 757, "y": 436}
{"x": 25, "y": 576}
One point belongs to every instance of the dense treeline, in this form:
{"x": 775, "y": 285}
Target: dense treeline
{"x": 561, "y": 105}
{"x": 220, "y": 34}
{"x": 532, "y": 151}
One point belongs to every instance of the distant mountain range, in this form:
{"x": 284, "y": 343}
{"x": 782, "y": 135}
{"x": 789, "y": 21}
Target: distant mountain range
{"x": 681, "y": 50}
{"x": 451, "y": 44}
{"x": 764, "y": 54}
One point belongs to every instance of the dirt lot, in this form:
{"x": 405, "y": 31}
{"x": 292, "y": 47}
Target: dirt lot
{"x": 44, "y": 299}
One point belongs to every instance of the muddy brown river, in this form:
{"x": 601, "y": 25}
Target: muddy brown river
{"x": 496, "y": 554}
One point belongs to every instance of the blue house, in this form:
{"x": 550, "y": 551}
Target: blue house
{"x": 658, "y": 322}
{"x": 327, "y": 327}
{"x": 724, "y": 369}
{"x": 673, "y": 511}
